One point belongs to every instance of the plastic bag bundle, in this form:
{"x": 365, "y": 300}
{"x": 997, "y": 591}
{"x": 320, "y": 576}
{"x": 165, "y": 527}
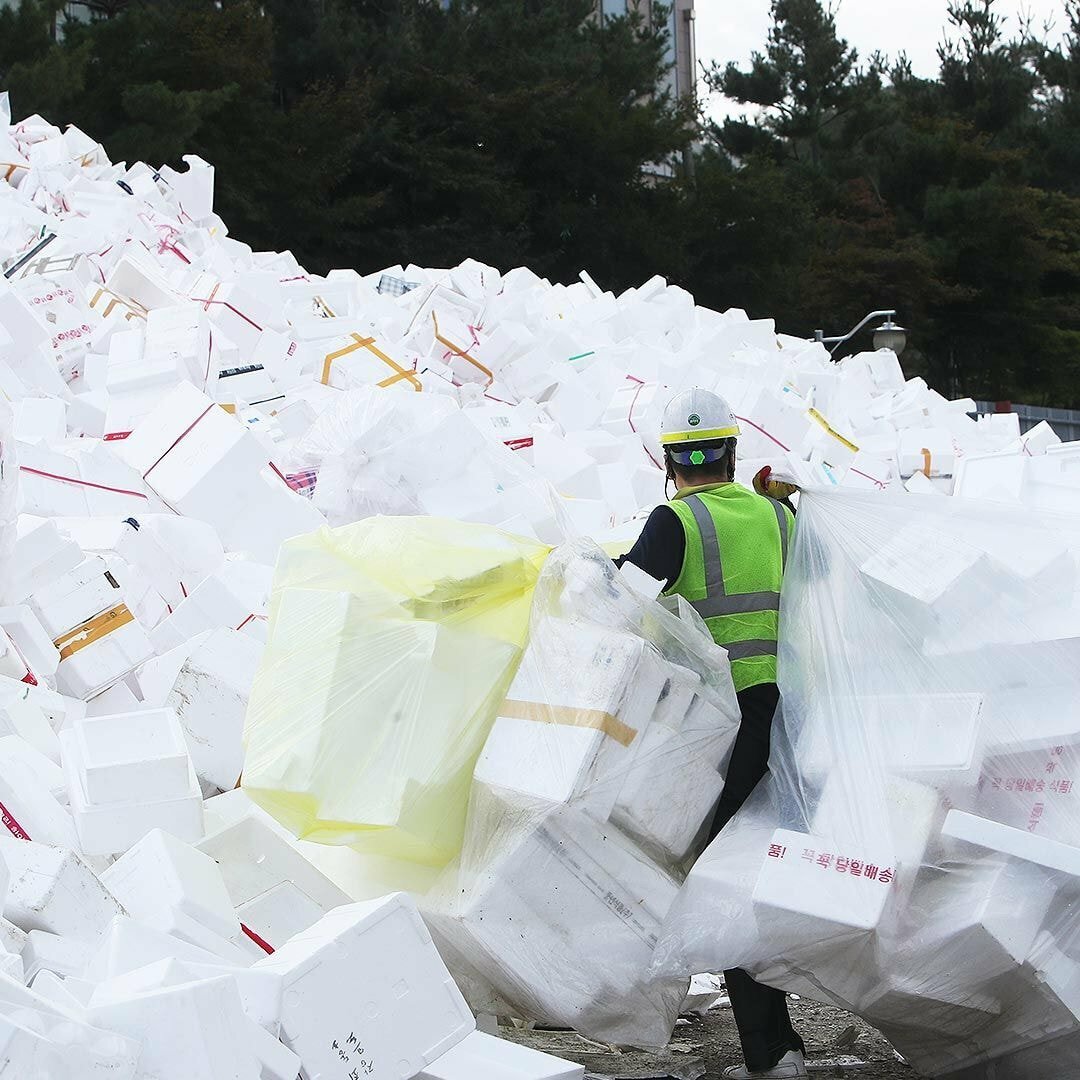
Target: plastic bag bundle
{"x": 391, "y": 644}
{"x": 589, "y": 801}
{"x": 913, "y": 856}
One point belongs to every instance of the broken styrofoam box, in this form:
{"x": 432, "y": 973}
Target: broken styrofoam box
{"x": 132, "y": 757}
{"x": 176, "y": 888}
{"x": 484, "y": 1057}
{"x": 808, "y": 888}
{"x": 366, "y": 981}
{"x": 54, "y": 890}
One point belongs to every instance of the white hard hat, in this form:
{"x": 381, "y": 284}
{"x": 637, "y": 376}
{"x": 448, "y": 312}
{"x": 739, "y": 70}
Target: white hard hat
{"x": 697, "y": 416}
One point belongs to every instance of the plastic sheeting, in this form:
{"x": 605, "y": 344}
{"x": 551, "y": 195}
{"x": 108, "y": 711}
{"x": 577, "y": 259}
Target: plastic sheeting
{"x": 913, "y": 856}
{"x": 391, "y": 644}
{"x": 9, "y": 489}
{"x": 589, "y": 803}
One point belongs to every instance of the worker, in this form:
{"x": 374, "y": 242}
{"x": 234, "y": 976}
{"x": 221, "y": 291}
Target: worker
{"x": 723, "y": 548}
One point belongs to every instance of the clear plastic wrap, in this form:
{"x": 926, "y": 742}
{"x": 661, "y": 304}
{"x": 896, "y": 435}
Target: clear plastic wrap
{"x": 9, "y": 492}
{"x": 912, "y": 856}
{"x": 589, "y": 802}
{"x": 391, "y": 644}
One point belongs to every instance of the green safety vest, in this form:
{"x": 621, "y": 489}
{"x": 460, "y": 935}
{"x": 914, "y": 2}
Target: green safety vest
{"x": 736, "y": 550}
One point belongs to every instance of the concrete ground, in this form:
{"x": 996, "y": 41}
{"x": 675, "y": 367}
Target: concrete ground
{"x": 838, "y": 1045}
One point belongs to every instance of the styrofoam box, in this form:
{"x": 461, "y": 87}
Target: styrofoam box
{"x": 132, "y": 757}
{"x": 171, "y": 886}
{"x": 276, "y": 891}
{"x": 97, "y": 666}
{"x": 114, "y": 827}
{"x": 54, "y": 890}
{"x": 76, "y": 596}
{"x": 795, "y": 892}
{"x": 483, "y": 1057}
{"x": 187, "y": 1030}
{"x": 368, "y": 978}
{"x": 33, "y": 644}
{"x": 41, "y": 555}
{"x": 50, "y": 952}
{"x": 1050, "y": 854}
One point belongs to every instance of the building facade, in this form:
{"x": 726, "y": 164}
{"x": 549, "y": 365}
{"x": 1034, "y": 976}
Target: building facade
{"x": 682, "y": 55}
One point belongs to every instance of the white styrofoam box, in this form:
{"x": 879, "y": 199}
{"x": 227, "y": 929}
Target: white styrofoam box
{"x": 23, "y": 713}
{"x": 54, "y": 890}
{"x": 210, "y": 695}
{"x": 924, "y": 447}
{"x": 12, "y": 663}
{"x": 236, "y": 596}
{"x": 29, "y": 810}
{"x": 41, "y": 555}
{"x": 50, "y": 952}
{"x": 195, "y": 455}
{"x": 100, "y": 652}
{"x": 18, "y": 756}
{"x": 643, "y": 584}
{"x": 111, "y": 827}
{"x": 132, "y": 757}
{"x": 1053, "y": 855}
{"x": 11, "y": 965}
{"x": 186, "y": 1030}
{"x": 76, "y": 596}
{"x": 670, "y": 790}
{"x": 1058, "y": 972}
{"x": 129, "y": 944}
{"x": 40, "y": 420}
{"x": 996, "y": 477}
{"x": 807, "y": 887}
{"x": 930, "y": 737}
{"x": 275, "y": 889}
{"x": 31, "y": 642}
{"x": 54, "y": 989}
{"x": 114, "y": 701}
{"x": 576, "y": 882}
{"x": 59, "y": 710}
{"x": 48, "y": 1044}
{"x": 12, "y": 939}
{"x": 932, "y": 1002}
{"x": 557, "y": 740}
{"x": 368, "y": 978}
{"x": 979, "y": 921}
{"x": 174, "y": 887}
{"x": 181, "y": 336}
{"x": 482, "y": 1057}
{"x": 926, "y": 573}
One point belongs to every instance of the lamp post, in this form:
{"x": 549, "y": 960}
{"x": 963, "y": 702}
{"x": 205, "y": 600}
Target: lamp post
{"x": 887, "y": 336}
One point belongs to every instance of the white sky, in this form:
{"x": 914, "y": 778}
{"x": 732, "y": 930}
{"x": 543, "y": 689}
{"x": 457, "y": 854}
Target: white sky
{"x": 732, "y": 29}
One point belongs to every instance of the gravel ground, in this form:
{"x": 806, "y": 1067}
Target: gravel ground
{"x": 838, "y": 1044}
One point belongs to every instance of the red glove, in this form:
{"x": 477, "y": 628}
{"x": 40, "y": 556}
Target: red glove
{"x": 774, "y": 489}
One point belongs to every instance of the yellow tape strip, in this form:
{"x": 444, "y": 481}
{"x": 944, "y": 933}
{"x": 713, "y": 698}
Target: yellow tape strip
{"x": 369, "y": 344}
{"x": 926, "y": 462}
{"x": 815, "y": 415}
{"x": 230, "y": 409}
{"x": 570, "y": 717}
{"x": 458, "y": 351}
{"x": 701, "y": 435}
{"x": 93, "y": 630}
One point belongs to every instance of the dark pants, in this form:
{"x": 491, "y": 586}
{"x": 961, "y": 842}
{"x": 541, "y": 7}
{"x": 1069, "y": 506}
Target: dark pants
{"x": 761, "y": 1013}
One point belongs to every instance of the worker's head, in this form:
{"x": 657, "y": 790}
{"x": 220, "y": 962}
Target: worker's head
{"x": 698, "y": 436}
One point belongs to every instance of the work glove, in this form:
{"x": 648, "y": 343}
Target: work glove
{"x": 774, "y": 489}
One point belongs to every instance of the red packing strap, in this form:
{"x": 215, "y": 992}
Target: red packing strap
{"x": 234, "y": 310}
{"x": 12, "y": 825}
{"x": 81, "y": 483}
{"x": 630, "y": 417}
{"x": 279, "y": 473}
{"x": 183, "y": 434}
{"x": 115, "y": 436}
{"x": 756, "y": 427}
{"x": 258, "y": 940}
{"x": 519, "y": 444}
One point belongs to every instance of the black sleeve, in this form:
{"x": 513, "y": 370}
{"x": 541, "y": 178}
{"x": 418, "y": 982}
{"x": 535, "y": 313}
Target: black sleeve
{"x": 660, "y": 548}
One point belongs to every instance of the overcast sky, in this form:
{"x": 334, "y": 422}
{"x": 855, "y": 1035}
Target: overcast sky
{"x": 732, "y": 29}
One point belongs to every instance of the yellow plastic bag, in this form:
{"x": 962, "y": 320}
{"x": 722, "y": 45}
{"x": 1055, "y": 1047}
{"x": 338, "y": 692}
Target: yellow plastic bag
{"x": 392, "y": 643}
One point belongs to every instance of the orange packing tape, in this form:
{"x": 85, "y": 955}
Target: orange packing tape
{"x": 369, "y": 344}
{"x": 568, "y": 716}
{"x": 815, "y": 415}
{"x": 93, "y": 630}
{"x": 458, "y": 351}
{"x": 230, "y": 409}
{"x": 132, "y": 306}
{"x": 926, "y": 462}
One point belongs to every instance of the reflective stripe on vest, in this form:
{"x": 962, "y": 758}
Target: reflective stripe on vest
{"x": 717, "y": 601}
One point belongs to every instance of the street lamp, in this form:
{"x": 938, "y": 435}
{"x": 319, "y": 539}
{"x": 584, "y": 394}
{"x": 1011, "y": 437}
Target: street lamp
{"x": 887, "y": 336}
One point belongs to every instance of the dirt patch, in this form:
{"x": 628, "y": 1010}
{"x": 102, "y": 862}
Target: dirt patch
{"x": 838, "y": 1044}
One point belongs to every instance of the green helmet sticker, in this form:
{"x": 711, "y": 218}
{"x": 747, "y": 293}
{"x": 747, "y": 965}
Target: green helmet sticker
{"x": 693, "y": 419}
{"x": 697, "y": 457}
